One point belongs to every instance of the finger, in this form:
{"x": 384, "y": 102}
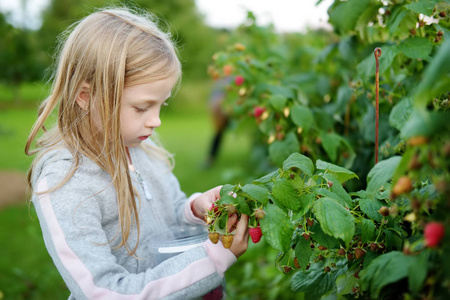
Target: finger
{"x": 231, "y": 224}
{"x": 242, "y": 226}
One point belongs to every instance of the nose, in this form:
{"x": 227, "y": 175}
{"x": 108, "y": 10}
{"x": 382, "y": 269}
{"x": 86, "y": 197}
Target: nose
{"x": 153, "y": 121}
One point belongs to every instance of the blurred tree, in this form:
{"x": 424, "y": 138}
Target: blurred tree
{"x": 181, "y": 17}
{"x": 19, "y": 56}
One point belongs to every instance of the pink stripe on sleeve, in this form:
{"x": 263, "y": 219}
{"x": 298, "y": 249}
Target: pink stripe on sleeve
{"x": 156, "y": 289}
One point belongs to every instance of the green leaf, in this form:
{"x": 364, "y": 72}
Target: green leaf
{"x": 381, "y": 173}
{"x": 299, "y": 161}
{"x": 302, "y": 117}
{"x": 344, "y": 15}
{"x": 315, "y": 282}
{"x": 396, "y": 18}
{"x": 433, "y": 76}
{"x": 257, "y": 192}
{"x": 225, "y": 197}
{"x": 303, "y": 252}
{"x": 280, "y": 150}
{"x": 340, "y": 173}
{"x": 242, "y": 205}
{"x": 367, "y": 231}
{"x": 277, "y": 228}
{"x": 416, "y": 48}
{"x": 334, "y": 219}
{"x": 423, "y": 123}
{"x": 400, "y": 113}
{"x": 278, "y": 102}
{"x": 306, "y": 202}
{"x": 418, "y": 272}
{"x": 371, "y": 207}
{"x": 330, "y": 143}
{"x": 346, "y": 282}
{"x": 385, "y": 269}
{"x": 286, "y": 194}
{"x": 322, "y": 238}
{"x": 338, "y": 189}
{"x": 366, "y": 68}
{"x": 267, "y": 178}
{"x": 422, "y": 7}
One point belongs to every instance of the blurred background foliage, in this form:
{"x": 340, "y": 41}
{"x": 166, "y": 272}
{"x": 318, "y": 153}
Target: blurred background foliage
{"x": 326, "y": 68}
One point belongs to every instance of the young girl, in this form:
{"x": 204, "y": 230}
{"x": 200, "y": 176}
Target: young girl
{"x": 101, "y": 187}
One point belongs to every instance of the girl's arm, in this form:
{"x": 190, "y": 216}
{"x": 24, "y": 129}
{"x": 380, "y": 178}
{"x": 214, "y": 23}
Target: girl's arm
{"x": 73, "y": 228}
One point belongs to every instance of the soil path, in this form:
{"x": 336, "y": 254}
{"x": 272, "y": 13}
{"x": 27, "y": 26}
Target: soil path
{"x": 13, "y": 188}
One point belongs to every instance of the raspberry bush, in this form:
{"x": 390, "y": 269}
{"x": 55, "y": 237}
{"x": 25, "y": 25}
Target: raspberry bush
{"x": 342, "y": 225}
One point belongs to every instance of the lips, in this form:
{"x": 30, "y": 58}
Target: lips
{"x": 143, "y": 137}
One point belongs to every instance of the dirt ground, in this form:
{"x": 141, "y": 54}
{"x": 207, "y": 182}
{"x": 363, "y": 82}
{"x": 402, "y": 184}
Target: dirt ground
{"x": 13, "y": 188}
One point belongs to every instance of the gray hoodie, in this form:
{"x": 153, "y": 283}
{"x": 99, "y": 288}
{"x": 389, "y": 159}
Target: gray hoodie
{"x": 80, "y": 219}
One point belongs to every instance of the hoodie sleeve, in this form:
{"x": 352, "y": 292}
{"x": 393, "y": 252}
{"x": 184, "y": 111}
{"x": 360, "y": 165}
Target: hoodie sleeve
{"x": 72, "y": 226}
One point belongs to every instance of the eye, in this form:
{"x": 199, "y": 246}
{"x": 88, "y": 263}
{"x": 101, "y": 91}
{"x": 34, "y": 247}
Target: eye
{"x": 140, "y": 109}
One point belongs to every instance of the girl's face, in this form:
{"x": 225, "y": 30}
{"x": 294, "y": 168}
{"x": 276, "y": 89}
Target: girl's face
{"x": 140, "y": 108}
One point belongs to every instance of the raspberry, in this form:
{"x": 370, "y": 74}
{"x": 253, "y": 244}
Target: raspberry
{"x": 359, "y": 253}
{"x": 227, "y": 240}
{"x": 384, "y": 211}
{"x": 327, "y": 269}
{"x": 259, "y": 213}
{"x": 306, "y": 236}
{"x": 239, "y": 80}
{"x": 258, "y": 111}
{"x": 403, "y": 185}
{"x": 255, "y": 234}
{"x": 310, "y": 222}
{"x": 227, "y": 70}
{"x": 341, "y": 252}
{"x": 321, "y": 248}
{"x": 296, "y": 264}
{"x": 214, "y": 237}
{"x": 433, "y": 233}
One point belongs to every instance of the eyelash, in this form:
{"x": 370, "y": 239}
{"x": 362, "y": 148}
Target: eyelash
{"x": 141, "y": 110}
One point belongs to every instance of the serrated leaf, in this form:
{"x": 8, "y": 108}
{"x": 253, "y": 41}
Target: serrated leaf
{"x": 371, "y": 207}
{"x": 396, "y": 18}
{"x": 400, "y": 113}
{"x": 346, "y": 282}
{"x": 267, "y": 178}
{"x": 422, "y": 7}
{"x": 315, "y": 283}
{"x": 418, "y": 272}
{"x": 330, "y": 143}
{"x": 286, "y": 194}
{"x": 322, "y": 238}
{"x": 367, "y": 230}
{"x": 276, "y": 228}
{"x": 334, "y": 219}
{"x": 278, "y": 102}
{"x": 366, "y": 68}
{"x": 302, "y": 117}
{"x": 416, "y": 48}
{"x": 299, "y": 161}
{"x": 280, "y": 150}
{"x": 344, "y": 15}
{"x": 381, "y": 173}
{"x": 242, "y": 205}
{"x": 340, "y": 173}
{"x": 306, "y": 202}
{"x": 434, "y": 76}
{"x": 303, "y": 252}
{"x": 327, "y": 193}
{"x": 256, "y": 192}
{"x": 338, "y": 189}
{"x": 385, "y": 269}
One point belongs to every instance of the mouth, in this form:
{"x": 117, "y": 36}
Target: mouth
{"x": 144, "y": 137}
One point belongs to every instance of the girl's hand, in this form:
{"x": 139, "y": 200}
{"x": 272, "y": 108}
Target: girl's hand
{"x": 240, "y": 238}
{"x": 204, "y": 202}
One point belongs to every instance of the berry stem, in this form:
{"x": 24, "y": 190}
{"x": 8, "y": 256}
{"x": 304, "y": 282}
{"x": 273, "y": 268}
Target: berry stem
{"x": 377, "y": 53}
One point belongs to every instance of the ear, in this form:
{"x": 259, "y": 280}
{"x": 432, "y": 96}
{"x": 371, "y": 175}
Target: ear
{"x": 83, "y": 96}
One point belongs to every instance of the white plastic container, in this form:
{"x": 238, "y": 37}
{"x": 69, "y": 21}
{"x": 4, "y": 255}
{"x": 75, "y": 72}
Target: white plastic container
{"x": 179, "y": 239}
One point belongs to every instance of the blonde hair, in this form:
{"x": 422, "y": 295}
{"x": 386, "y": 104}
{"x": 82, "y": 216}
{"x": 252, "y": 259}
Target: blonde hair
{"x": 108, "y": 50}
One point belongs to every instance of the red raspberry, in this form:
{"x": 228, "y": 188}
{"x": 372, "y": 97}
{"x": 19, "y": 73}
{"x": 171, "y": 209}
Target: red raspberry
{"x": 239, "y": 80}
{"x": 255, "y": 234}
{"x": 433, "y": 233}
{"x": 258, "y": 111}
